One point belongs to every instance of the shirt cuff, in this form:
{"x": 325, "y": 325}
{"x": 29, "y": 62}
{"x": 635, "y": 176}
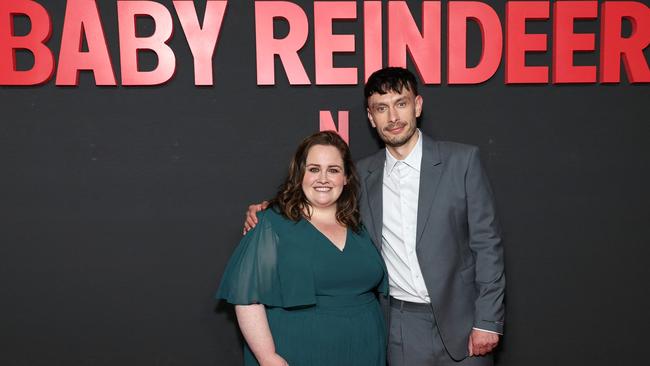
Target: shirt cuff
{"x": 489, "y": 331}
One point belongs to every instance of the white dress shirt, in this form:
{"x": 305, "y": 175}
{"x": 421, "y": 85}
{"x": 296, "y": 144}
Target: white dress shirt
{"x": 401, "y": 186}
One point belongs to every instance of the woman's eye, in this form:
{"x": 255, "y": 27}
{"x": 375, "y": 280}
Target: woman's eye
{"x": 335, "y": 171}
{"x": 313, "y": 170}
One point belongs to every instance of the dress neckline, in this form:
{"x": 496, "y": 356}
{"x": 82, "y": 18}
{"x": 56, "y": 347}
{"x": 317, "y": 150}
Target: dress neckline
{"x": 329, "y": 241}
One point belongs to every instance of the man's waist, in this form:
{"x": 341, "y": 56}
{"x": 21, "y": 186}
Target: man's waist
{"x": 417, "y": 307}
{"x": 410, "y": 293}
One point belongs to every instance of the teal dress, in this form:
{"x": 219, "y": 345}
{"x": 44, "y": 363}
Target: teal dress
{"x": 321, "y": 302}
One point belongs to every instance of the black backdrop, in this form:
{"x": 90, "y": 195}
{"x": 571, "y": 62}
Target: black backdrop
{"x": 120, "y": 206}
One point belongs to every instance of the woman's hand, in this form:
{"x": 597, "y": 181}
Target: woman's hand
{"x": 273, "y": 360}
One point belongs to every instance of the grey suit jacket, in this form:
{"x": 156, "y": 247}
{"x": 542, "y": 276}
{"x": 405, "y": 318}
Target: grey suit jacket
{"x": 458, "y": 239}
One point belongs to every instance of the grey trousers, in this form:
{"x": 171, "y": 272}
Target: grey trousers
{"x": 414, "y": 340}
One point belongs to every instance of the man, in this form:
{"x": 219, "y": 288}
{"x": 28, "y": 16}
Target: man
{"x": 429, "y": 209}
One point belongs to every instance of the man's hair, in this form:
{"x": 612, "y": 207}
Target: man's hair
{"x": 290, "y": 200}
{"x": 390, "y": 79}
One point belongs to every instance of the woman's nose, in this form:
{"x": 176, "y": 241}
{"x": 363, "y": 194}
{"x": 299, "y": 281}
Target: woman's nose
{"x": 322, "y": 177}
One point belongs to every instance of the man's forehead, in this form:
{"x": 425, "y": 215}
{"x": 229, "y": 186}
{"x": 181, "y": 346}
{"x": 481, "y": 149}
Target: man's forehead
{"x": 389, "y": 95}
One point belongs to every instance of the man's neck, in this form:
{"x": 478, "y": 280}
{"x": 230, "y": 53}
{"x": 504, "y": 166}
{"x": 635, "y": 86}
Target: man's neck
{"x": 401, "y": 152}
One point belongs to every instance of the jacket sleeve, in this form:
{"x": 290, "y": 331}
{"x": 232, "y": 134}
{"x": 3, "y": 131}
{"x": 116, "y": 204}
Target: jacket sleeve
{"x": 485, "y": 243}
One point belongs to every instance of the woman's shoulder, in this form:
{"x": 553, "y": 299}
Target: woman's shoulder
{"x": 274, "y": 219}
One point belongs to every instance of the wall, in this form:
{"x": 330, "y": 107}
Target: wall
{"x": 121, "y": 205}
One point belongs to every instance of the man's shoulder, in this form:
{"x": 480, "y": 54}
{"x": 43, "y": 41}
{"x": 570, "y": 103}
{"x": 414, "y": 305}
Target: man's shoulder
{"x": 447, "y": 150}
{"x": 365, "y": 163}
{"x": 455, "y": 148}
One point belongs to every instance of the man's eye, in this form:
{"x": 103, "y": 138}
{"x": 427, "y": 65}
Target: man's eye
{"x": 381, "y": 109}
{"x": 401, "y": 104}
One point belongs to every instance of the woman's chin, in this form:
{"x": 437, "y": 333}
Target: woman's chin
{"x": 323, "y": 204}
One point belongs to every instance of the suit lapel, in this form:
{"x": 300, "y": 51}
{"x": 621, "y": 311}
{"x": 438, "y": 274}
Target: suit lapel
{"x": 430, "y": 173}
{"x": 374, "y": 182}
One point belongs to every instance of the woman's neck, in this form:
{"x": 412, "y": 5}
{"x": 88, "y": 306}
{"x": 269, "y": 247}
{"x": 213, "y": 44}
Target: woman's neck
{"x": 323, "y": 214}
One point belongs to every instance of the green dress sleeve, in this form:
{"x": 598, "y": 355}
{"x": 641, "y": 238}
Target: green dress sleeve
{"x": 262, "y": 271}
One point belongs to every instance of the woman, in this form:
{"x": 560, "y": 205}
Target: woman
{"x": 304, "y": 280}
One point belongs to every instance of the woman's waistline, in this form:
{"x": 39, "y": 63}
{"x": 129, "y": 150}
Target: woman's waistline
{"x": 345, "y": 300}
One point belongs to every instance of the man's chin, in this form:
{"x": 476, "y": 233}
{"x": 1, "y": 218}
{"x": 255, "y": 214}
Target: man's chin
{"x": 397, "y": 141}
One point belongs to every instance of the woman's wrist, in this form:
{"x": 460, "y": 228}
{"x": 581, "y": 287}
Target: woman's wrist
{"x": 271, "y": 359}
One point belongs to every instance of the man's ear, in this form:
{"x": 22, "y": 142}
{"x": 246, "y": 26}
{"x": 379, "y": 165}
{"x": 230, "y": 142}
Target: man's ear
{"x": 372, "y": 123}
{"x": 418, "y": 105}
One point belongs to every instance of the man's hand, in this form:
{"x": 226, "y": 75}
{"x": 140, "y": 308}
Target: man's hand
{"x": 251, "y": 215}
{"x": 481, "y": 342}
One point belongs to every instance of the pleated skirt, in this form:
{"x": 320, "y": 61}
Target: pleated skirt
{"x": 338, "y": 331}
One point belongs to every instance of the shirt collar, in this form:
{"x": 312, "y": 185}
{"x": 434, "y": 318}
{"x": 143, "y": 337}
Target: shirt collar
{"x": 413, "y": 160}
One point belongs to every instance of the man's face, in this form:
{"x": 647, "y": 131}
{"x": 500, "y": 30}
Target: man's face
{"x": 394, "y": 115}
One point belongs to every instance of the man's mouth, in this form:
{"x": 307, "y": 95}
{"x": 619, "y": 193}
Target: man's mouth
{"x": 397, "y": 128}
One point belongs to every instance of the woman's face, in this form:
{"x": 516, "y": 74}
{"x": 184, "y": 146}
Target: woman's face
{"x": 324, "y": 176}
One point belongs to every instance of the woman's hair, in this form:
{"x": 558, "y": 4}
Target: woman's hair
{"x": 290, "y": 200}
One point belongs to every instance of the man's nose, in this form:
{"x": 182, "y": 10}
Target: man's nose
{"x": 392, "y": 114}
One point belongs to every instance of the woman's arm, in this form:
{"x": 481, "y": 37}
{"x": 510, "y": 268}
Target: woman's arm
{"x": 255, "y": 328}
